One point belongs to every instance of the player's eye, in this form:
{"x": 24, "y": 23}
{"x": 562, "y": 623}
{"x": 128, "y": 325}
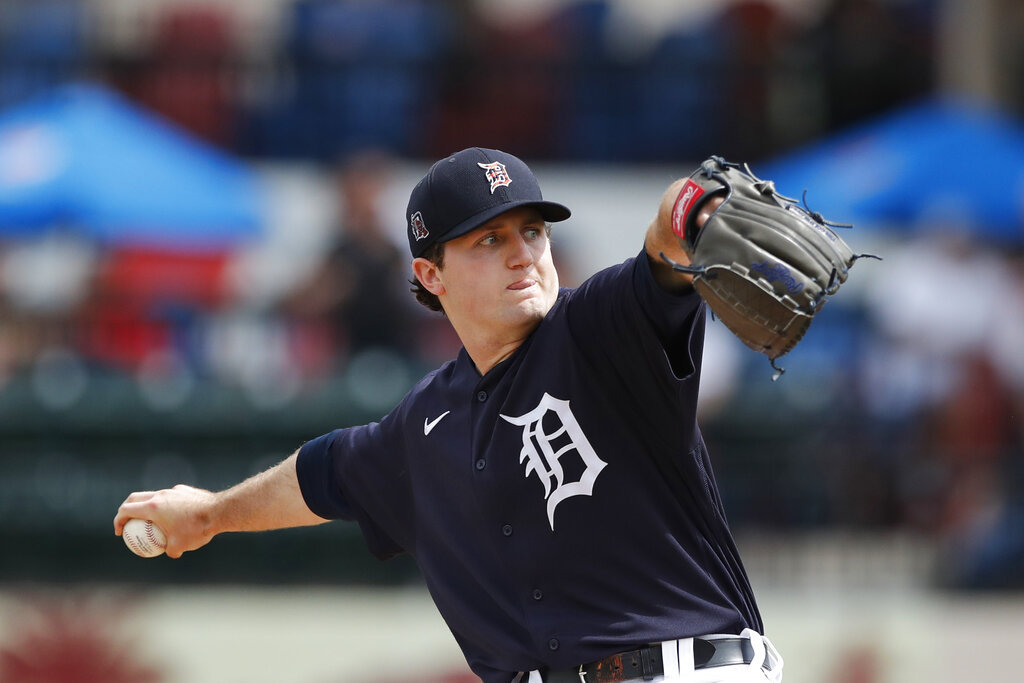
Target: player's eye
{"x": 532, "y": 233}
{"x": 488, "y": 240}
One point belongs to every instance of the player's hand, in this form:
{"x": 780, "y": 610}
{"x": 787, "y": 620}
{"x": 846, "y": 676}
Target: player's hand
{"x": 183, "y": 512}
{"x": 661, "y": 240}
{"x": 709, "y": 208}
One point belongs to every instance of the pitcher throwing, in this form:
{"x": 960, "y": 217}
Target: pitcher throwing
{"x": 551, "y": 481}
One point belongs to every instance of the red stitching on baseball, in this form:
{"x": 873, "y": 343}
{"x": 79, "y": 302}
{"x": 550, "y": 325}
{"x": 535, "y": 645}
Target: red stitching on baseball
{"x": 151, "y": 536}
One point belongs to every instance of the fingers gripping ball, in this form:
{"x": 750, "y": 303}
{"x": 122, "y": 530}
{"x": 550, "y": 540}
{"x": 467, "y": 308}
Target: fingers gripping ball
{"x": 763, "y": 263}
{"x": 144, "y": 538}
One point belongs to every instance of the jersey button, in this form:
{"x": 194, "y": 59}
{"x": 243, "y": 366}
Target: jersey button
{"x": 481, "y": 463}
{"x": 553, "y": 644}
{"x": 481, "y": 396}
{"x": 538, "y": 594}
{"x": 507, "y": 529}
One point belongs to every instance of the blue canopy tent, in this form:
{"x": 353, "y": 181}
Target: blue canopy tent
{"x": 931, "y": 163}
{"x": 83, "y": 157}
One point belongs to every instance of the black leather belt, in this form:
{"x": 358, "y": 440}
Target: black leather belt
{"x": 646, "y": 663}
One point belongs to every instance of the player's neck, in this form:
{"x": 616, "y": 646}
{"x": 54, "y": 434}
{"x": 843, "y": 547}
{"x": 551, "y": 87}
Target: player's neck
{"x": 489, "y": 341}
{"x": 486, "y": 357}
{"x": 487, "y": 349}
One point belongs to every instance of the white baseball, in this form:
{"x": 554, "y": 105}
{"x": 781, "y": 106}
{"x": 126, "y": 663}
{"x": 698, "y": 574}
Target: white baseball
{"x": 144, "y": 538}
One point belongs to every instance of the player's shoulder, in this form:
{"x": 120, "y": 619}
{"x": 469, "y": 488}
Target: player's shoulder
{"x": 434, "y": 379}
{"x": 447, "y": 376}
{"x": 613, "y": 277}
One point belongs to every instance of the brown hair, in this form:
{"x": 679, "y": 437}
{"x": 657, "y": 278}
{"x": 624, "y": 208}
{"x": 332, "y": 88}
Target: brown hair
{"x": 434, "y": 254}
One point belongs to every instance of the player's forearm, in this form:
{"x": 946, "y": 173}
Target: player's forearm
{"x": 191, "y": 517}
{"x": 268, "y": 500}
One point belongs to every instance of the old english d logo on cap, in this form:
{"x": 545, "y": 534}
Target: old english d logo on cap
{"x": 497, "y": 175}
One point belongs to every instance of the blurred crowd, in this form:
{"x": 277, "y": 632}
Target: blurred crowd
{"x": 943, "y": 396}
{"x": 601, "y": 80}
{"x": 913, "y": 385}
{"x": 174, "y": 320}
{"x": 322, "y": 81}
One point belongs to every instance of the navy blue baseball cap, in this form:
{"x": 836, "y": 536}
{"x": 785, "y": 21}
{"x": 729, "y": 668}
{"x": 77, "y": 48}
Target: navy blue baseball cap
{"x": 469, "y": 188}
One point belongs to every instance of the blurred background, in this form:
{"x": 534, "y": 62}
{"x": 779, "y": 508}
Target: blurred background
{"x": 202, "y": 265}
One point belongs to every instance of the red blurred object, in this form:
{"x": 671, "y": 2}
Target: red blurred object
{"x": 122, "y": 337}
{"x": 503, "y": 89}
{"x": 71, "y": 643}
{"x": 142, "y": 296}
{"x": 143, "y": 276}
{"x": 194, "y": 32}
{"x": 189, "y": 75}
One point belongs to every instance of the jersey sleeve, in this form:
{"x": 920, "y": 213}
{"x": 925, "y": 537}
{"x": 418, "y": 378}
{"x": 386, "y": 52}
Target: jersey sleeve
{"x": 356, "y": 474}
{"x": 631, "y": 316}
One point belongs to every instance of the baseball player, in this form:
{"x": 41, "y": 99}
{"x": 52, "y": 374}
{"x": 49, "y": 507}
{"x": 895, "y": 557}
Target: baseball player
{"x": 551, "y": 481}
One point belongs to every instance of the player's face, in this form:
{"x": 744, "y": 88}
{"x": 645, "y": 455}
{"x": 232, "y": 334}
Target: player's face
{"x": 501, "y": 274}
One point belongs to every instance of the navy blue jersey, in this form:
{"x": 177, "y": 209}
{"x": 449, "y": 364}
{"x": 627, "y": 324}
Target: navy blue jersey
{"x": 561, "y": 507}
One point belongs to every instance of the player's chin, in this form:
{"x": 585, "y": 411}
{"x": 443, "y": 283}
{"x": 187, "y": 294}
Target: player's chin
{"x": 528, "y": 310}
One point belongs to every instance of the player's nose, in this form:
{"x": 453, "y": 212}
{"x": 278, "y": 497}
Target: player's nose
{"x": 520, "y": 254}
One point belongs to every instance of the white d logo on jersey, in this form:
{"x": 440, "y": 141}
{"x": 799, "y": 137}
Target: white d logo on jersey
{"x": 541, "y": 457}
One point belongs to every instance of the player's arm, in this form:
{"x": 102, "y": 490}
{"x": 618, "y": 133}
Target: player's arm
{"x": 661, "y": 239}
{"x": 191, "y": 517}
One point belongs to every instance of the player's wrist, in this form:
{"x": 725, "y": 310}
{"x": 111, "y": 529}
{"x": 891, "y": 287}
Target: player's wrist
{"x": 199, "y": 511}
{"x": 216, "y": 514}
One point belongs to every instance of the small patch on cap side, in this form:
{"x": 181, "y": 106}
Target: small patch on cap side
{"x": 418, "y": 227}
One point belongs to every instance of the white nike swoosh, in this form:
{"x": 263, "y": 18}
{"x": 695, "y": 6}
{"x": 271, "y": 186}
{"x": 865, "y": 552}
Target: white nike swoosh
{"x": 428, "y": 426}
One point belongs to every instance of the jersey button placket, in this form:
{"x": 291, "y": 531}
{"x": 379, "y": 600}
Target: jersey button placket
{"x": 480, "y": 463}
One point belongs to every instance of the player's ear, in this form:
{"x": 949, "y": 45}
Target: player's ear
{"x": 429, "y": 275}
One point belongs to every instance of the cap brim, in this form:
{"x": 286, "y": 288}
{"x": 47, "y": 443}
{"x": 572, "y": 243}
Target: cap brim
{"x": 552, "y": 212}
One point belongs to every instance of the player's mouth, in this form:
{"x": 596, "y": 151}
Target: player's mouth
{"x": 525, "y": 283}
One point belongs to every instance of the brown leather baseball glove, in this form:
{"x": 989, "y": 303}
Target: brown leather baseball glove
{"x": 764, "y": 263}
